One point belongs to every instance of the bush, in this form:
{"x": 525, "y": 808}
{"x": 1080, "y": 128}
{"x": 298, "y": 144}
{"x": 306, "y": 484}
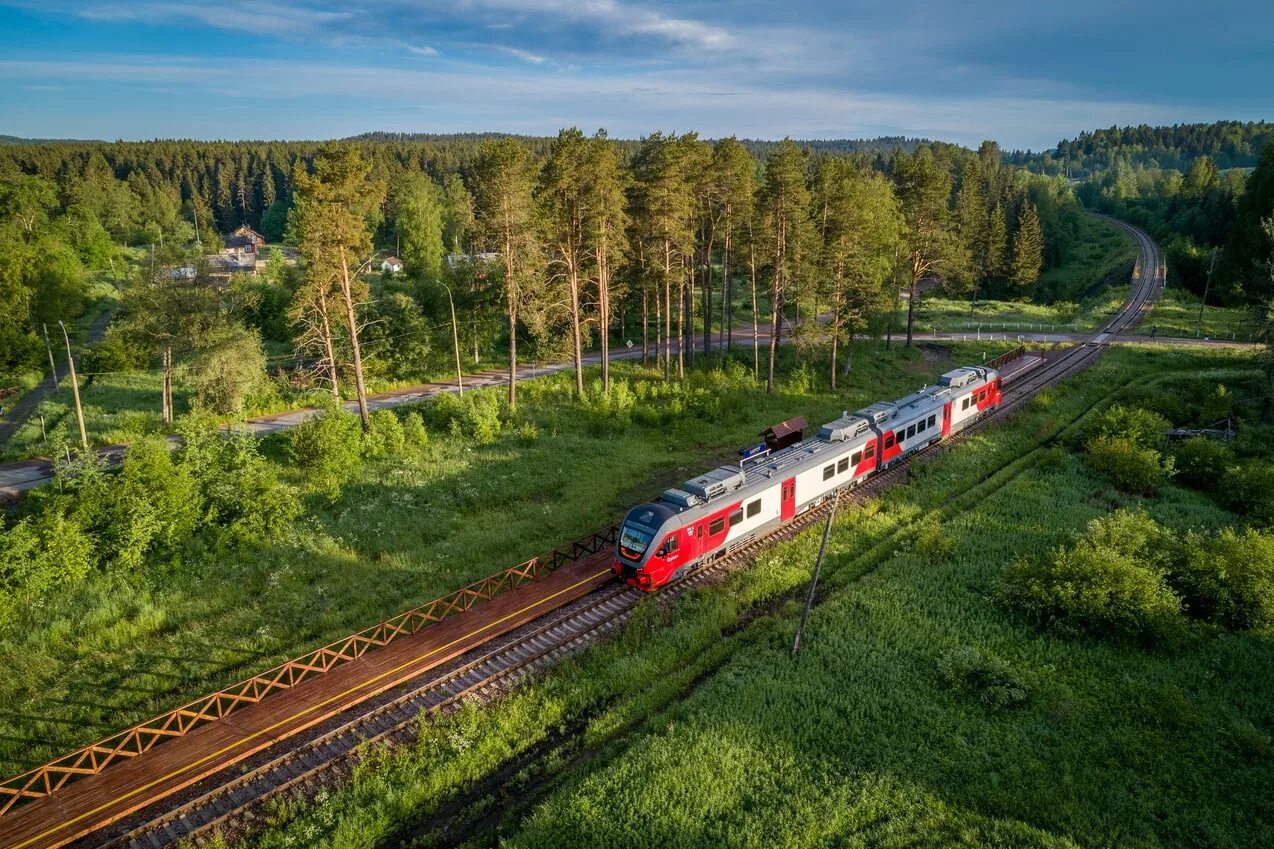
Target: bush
{"x": 40, "y": 554}
{"x": 996, "y": 684}
{"x": 1229, "y": 578}
{"x": 1110, "y": 582}
{"x": 414, "y": 428}
{"x": 231, "y": 369}
{"x": 1132, "y": 469}
{"x": 386, "y": 438}
{"x": 117, "y": 352}
{"x": 327, "y": 445}
{"x": 1200, "y": 462}
{"x": 154, "y": 505}
{"x": 1249, "y": 491}
{"x": 1141, "y": 427}
{"x": 475, "y": 415}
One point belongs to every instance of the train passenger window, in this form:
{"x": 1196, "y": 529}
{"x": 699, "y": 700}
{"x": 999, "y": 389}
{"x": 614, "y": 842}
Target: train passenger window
{"x": 828, "y": 471}
{"x": 754, "y": 508}
{"x": 920, "y": 426}
{"x": 870, "y": 452}
{"x": 965, "y": 405}
{"x": 856, "y": 459}
{"x": 889, "y": 440}
{"x": 932, "y": 420}
{"x": 842, "y": 465}
{"x": 911, "y": 431}
{"x": 716, "y": 526}
{"x": 736, "y": 517}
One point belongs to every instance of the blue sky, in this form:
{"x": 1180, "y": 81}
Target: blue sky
{"x": 1024, "y": 73}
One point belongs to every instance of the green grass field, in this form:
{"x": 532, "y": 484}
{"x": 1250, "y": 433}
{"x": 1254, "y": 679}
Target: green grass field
{"x": 402, "y": 531}
{"x": 1176, "y": 313}
{"x": 696, "y": 728}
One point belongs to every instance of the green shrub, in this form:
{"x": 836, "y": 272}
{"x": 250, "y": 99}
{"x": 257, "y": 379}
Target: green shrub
{"x": 994, "y": 682}
{"x": 117, "y": 352}
{"x": 476, "y": 415}
{"x": 1132, "y": 469}
{"x": 386, "y": 438}
{"x": 42, "y": 553}
{"x": 1112, "y": 581}
{"x": 1200, "y": 462}
{"x": 154, "y": 505}
{"x": 230, "y": 370}
{"x": 1141, "y": 427}
{"x": 1249, "y": 491}
{"x": 1228, "y": 578}
{"x": 327, "y": 445}
{"x": 414, "y": 428}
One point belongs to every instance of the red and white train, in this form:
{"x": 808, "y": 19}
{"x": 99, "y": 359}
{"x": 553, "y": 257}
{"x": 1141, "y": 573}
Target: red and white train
{"x": 730, "y": 506}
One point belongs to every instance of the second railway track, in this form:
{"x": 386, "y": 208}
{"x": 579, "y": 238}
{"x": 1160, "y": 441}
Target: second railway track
{"x": 303, "y": 763}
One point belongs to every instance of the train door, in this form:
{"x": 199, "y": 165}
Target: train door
{"x": 787, "y": 503}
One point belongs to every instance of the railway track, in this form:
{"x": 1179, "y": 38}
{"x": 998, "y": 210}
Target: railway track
{"x": 302, "y": 764}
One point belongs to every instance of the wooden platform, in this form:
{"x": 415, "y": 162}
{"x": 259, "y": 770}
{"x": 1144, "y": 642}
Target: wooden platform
{"x": 1016, "y": 368}
{"x": 96, "y": 801}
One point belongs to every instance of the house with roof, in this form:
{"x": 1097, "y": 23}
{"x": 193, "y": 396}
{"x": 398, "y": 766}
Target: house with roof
{"x": 391, "y": 265}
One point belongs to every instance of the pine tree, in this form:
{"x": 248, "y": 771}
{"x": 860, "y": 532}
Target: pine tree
{"x": 734, "y": 173}
{"x": 971, "y": 220}
{"x": 503, "y": 180}
{"x": 1028, "y": 247}
{"x": 330, "y": 221}
{"x": 785, "y": 206}
{"x": 563, "y": 209}
{"x": 605, "y": 220}
{"x": 996, "y": 249}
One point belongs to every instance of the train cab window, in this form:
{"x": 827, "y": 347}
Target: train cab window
{"x": 933, "y": 420}
{"x": 716, "y": 526}
{"x": 669, "y": 546}
{"x": 828, "y": 471}
{"x": 856, "y": 459}
{"x": 736, "y": 517}
{"x": 842, "y": 465}
{"x": 754, "y": 507}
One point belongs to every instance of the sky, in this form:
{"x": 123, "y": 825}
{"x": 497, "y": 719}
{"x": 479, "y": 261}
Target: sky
{"x": 1024, "y": 73}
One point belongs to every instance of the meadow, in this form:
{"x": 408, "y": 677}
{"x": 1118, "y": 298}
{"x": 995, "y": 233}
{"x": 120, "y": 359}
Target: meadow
{"x": 399, "y": 530}
{"x": 920, "y": 711}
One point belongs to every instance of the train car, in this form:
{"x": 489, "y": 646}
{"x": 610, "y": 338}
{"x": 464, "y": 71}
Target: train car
{"x": 730, "y": 506}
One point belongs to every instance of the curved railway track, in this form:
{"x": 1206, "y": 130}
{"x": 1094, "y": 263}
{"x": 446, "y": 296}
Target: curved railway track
{"x": 303, "y": 763}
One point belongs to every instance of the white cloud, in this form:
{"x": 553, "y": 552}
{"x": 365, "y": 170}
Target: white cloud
{"x": 619, "y": 18}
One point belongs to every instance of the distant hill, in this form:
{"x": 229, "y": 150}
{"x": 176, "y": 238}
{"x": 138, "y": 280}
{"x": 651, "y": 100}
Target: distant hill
{"x": 19, "y": 140}
{"x": 1233, "y": 144}
{"x": 758, "y": 147}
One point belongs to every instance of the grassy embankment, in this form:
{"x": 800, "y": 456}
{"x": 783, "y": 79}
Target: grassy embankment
{"x": 403, "y": 530}
{"x": 695, "y": 728}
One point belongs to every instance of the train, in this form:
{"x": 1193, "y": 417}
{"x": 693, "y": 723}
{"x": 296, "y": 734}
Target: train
{"x": 728, "y": 507}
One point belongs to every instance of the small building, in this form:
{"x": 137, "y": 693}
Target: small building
{"x": 244, "y": 237}
{"x": 391, "y": 265}
{"x": 784, "y": 433}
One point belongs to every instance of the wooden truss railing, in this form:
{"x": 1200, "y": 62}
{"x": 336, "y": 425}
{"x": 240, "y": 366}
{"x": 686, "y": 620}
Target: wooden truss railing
{"x": 134, "y": 741}
{"x": 1007, "y": 357}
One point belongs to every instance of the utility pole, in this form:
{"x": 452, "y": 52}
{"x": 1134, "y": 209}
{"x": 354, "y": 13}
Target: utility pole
{"x": 48, "y": 346}
{"x": 75, "y": 389}
{"x": 1198, "y": 328}
{"x": 455, "y": 338}
{"x": 818, "y": 566}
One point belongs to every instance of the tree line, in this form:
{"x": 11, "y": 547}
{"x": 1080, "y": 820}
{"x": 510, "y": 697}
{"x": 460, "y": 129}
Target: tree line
{"x": 1230, "y": 144}
{"x": 559, "y": 242}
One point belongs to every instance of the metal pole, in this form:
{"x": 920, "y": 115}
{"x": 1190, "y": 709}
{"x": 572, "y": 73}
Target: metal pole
{"x": 52, "y": 365}
{"x": 75, "y": 389}
{"x": 1198, "y": 328}
{"x": 818, "y": 566}
{"x": 455, "y": 338}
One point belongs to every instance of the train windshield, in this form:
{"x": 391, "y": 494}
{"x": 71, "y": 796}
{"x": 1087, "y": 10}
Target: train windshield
{"x": 634, "y": 539}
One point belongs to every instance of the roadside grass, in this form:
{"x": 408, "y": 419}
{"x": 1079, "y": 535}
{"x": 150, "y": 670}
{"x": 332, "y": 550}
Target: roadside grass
{"x": 402, "y": 531}
{"x": 695, "y": 728}
{"x": 1176, "y": 313}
